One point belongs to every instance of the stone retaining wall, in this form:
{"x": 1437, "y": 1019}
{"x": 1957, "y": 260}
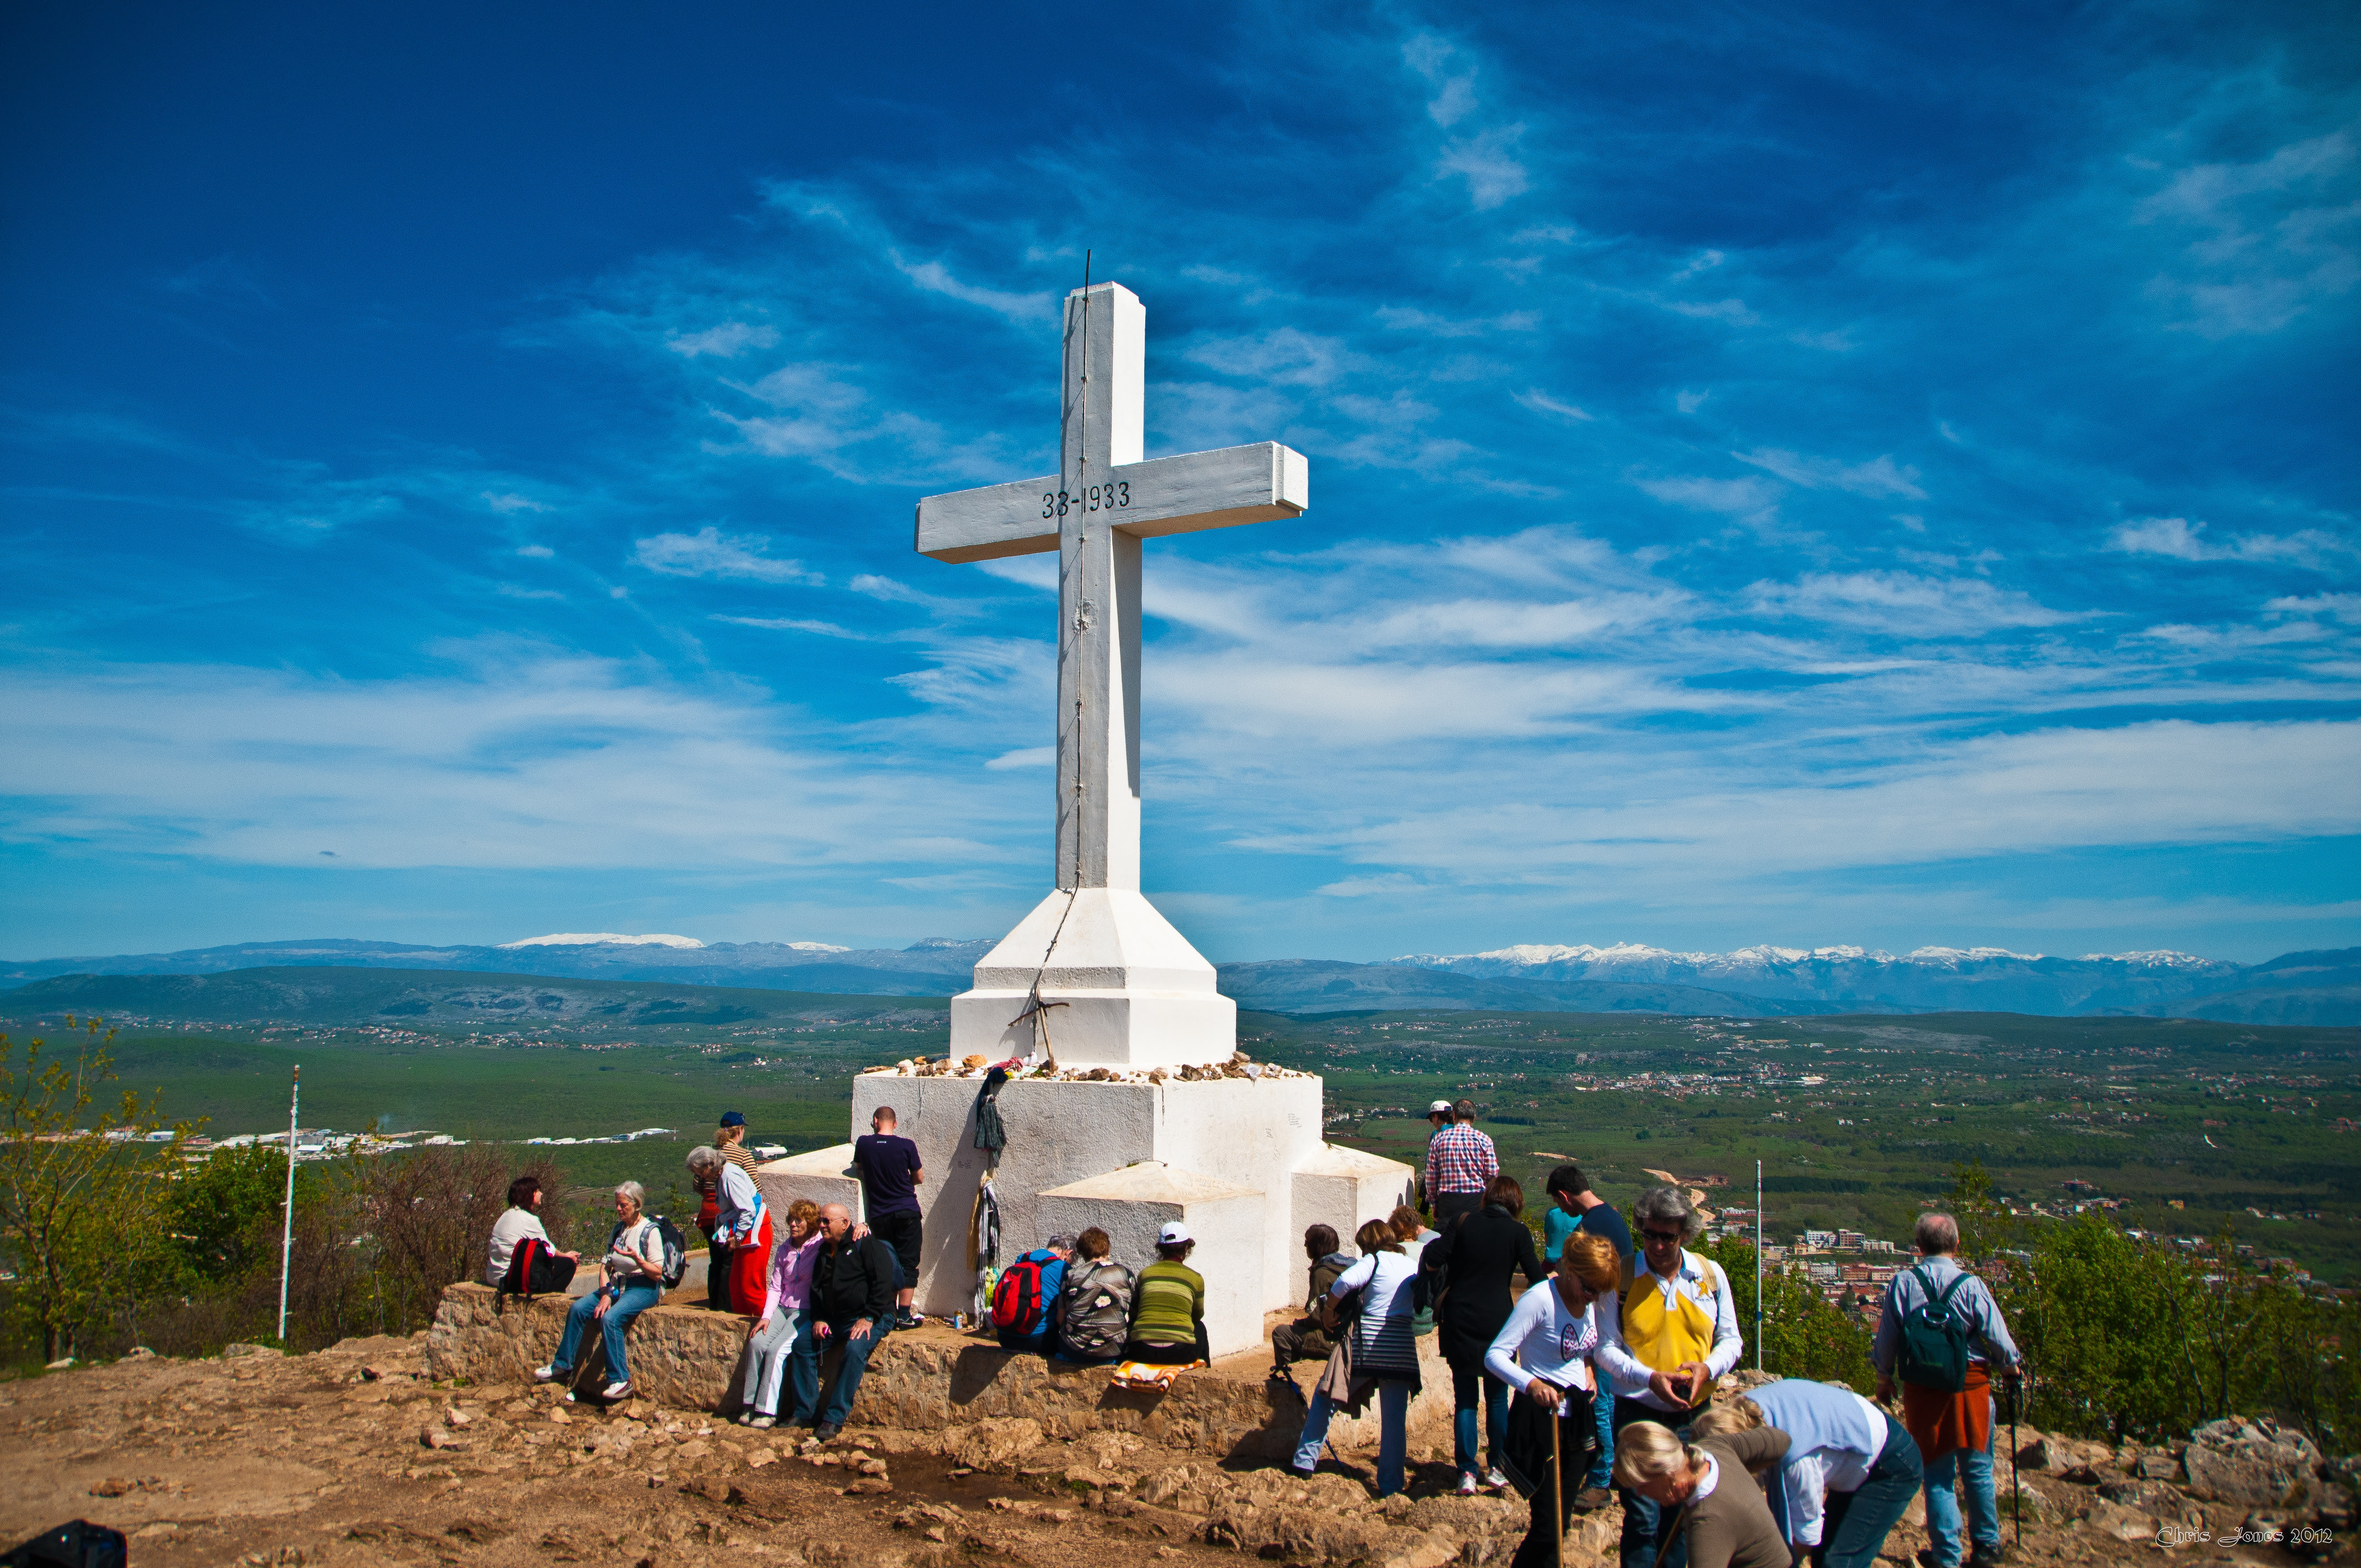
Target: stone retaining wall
{"x": 928, "y": 1381}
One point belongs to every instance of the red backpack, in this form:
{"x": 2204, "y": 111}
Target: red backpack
{"x": 1016, "y": 1299}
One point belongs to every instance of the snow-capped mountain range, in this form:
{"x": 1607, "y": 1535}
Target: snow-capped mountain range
{"x": 2315, "y": 988}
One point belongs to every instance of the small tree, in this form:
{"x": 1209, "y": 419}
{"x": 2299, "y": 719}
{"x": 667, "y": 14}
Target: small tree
{"x": 78, "y": 1204}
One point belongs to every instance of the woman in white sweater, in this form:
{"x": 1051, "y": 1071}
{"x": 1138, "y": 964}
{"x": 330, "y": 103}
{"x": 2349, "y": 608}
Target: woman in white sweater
{"x": 1543, "y": 1352}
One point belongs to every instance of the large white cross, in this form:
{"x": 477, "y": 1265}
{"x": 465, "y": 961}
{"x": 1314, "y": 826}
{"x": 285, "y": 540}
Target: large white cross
{"x": 1094, "y": 512}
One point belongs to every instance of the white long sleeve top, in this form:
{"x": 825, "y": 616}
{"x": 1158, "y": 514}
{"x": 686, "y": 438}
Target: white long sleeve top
{"x": 1542, "y": 1342}
{"x": 1695, "y": 1277}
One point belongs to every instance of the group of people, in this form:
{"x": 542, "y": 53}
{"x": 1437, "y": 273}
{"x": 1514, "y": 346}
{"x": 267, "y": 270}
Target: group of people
{"x": 1600, "y": 1373}
{"x": 1604, "y": 1368}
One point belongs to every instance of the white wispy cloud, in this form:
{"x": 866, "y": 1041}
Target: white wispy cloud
{"x": 1879, "y": 477}
{"x": 709, "y": 553}
{"x": 2181, "y": 540}
{"x": 727, "y": 341}
{"x": 1905, "y": 603}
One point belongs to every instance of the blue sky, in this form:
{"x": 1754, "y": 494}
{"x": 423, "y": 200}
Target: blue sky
{"x": 1779, "y": 474}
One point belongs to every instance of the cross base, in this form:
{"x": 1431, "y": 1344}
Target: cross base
{"x": 1122, "y": 987}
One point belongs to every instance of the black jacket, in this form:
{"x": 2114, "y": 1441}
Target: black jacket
{"x": 1471, "y": 1263}
{"x": 854, "y": 1279}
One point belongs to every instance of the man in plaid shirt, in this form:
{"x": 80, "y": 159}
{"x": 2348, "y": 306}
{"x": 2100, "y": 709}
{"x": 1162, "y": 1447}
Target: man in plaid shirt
{"x": 1460, "y": 1162}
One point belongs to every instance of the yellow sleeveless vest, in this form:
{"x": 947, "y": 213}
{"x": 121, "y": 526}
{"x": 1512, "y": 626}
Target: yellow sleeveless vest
{"x": 1662, "y": 1337}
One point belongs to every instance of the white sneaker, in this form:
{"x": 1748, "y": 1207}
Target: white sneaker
{"x": 746, "y": 1418}
{"x": 763, "y": 1422}
{"x": 1467, "y": 1486}
{"x": 545, "y": 1374}
{"x": 622, "y": 1390}
{"x": 1494, "y": 1479}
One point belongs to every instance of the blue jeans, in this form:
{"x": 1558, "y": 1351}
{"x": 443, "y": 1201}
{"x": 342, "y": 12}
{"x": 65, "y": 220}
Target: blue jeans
{"x": 1602, "y": 1473}
{"x": 1469, "y": 1383}
{"x": 1943, "y": 1504}
{"x": 1644, "y": 1522}
{"x": 1854, "y": 1524}
{"x": 1393, "y": 1433}
{"x": 636, "y": 1298}
{"x": 857, "y": 1352}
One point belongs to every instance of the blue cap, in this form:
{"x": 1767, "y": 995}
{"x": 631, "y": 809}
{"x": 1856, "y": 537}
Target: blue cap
{"x": 733, "y": 1119}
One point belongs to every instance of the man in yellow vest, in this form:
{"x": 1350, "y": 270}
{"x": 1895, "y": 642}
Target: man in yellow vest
{"x": 1663, "y": 1345}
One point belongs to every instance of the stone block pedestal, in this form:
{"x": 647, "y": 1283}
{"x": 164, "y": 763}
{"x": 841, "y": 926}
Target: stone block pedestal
{"x": 1239, "y": 1160}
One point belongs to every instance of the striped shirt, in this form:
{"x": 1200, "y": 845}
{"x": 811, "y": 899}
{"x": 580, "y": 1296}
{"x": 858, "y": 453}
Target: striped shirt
{"x": 1382, "y": 1335}
{"x": 736, "y": 1155}
{"x": 1460, "y": 1159}
{"x": 1167, "y": 1303}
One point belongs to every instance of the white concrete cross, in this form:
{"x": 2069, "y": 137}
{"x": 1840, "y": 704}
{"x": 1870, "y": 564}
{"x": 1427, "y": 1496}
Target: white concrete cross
{"x": 1094, "y": 512}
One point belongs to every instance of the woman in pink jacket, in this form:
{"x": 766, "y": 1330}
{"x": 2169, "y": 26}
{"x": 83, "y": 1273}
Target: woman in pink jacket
{"x": 781, "y": 1338}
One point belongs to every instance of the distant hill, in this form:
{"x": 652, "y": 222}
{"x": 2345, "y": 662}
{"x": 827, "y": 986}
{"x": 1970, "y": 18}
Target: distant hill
{"x": 2308, "y": 988}
{"x": 328, "y": 997}
{"x": 937, "y": 965}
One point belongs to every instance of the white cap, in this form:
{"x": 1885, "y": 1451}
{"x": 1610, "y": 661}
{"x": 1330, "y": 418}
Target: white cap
{"x": 1440, "y": 1108}
{"x": 1173, "y": 1230}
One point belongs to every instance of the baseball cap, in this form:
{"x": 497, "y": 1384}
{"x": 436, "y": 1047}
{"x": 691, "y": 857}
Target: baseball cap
{"x": 1440, "y": 1108}
{"x": 1173, "y": 1230}
{"x": 733, "y": 1118}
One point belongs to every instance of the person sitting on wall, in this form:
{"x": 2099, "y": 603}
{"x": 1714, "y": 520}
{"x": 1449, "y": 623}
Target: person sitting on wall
{"x": 853, "y": 1305}
{"x": 1094, "y": 1304}
{"x": 779, "y": 1344}
{"x": 541, "y": 1266}
{"x": 1168, "y": 1308}
{"x": 1025, "y": 1298}
{"x": 633, "y": 1281}
{"x": 1306, "y": 1339}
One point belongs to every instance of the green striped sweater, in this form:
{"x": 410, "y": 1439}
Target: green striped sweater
{"x": 1167, "y": 1303}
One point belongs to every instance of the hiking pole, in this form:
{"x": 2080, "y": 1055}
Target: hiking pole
{"x": 2017, "y": 1471}
{"x": 1557, "y": 1486}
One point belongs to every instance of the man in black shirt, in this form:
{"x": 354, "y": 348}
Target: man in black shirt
{"x": 853, "y": 1292}
{"x": 890, "y": 1176}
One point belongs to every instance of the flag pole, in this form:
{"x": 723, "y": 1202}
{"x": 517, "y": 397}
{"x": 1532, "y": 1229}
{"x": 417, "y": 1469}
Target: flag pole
{"x": 1758, "y": 1265}
{"x": 287, "y": 1231}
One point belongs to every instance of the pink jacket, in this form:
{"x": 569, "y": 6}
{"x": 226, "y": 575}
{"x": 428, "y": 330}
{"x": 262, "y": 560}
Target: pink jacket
{"x": 788, "y": 1284}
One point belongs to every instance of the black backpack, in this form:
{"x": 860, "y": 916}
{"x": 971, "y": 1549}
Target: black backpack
{"x": 1934, "y": 1340}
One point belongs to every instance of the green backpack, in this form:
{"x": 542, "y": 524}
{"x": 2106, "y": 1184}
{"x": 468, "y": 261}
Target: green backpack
{"x": 1933, "y": 1341}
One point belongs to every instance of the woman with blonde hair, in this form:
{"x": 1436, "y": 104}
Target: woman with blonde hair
{"x": 1384, "y": 1351}
{"x": 1543, "y": 1352}
{"x": 1705, "y": 1491}
{"x": 1840, "y": 1448}
{"x": 779, "y": 1341}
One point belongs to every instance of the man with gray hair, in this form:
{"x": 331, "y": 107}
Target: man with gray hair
{"x": 1663, "y": 1345}
{"x": 1941, "y": 1332}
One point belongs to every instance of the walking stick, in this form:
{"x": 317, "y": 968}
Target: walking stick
{"x": 1557, "y": 1486}
{"x": 2015, "y": 1474}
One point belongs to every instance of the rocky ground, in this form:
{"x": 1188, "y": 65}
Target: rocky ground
{"x": 353, "y": 1456}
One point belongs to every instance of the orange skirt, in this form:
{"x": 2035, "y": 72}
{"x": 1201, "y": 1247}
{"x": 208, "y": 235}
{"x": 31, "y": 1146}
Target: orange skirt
{"x": 1939, "y": 1422}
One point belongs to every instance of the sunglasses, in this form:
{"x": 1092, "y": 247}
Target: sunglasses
{"x": 1662, "y": 1235}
